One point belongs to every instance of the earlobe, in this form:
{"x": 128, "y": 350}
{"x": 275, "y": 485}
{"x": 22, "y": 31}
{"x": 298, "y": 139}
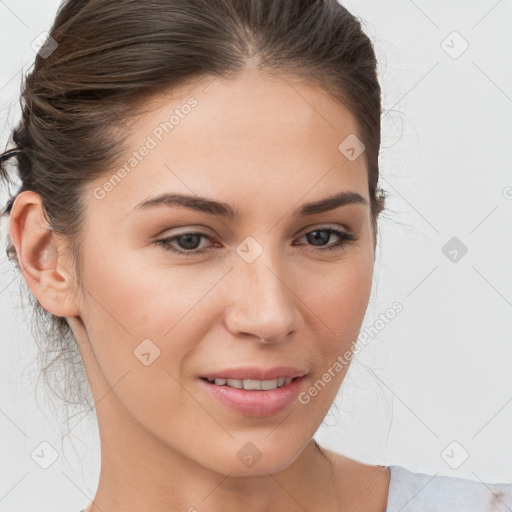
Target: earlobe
{"x": 38, "y": 256}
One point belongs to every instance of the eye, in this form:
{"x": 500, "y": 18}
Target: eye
{"x": 190, "y": 242}
{"x": 324, "y": 234}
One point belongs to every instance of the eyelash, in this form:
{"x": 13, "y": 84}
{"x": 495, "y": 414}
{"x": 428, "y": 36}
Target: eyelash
{"x": 345, "y": 239}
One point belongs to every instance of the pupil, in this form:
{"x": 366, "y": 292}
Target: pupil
{"x": 325, "y": 236}
{"x": 188, "y": 238}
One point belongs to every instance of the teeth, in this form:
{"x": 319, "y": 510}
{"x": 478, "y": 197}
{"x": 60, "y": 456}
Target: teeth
{"x": 269, "y": 384}
{"x": 252, "y": 384}
{"x": 255, "y": 384}
{"x": 235, "y": 383}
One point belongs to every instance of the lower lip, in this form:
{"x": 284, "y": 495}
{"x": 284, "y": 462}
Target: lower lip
{"x": 255, "y": 402}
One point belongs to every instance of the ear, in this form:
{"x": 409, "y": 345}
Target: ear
{"x": 40, "y": 257}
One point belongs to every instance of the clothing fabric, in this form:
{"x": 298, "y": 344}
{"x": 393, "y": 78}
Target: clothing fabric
{"x": 421, "y": 492}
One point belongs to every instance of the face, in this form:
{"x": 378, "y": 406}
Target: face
{"x": 177, "y": 293}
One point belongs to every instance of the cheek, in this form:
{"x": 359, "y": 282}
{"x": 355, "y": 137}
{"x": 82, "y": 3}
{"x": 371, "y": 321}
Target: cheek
{"x": 139, "y": 313}
{"x": 337, "y": 300}
{"x": 336, "y": 304}
{"x": 143, "y": 299}
{"x": 142, "y": 323}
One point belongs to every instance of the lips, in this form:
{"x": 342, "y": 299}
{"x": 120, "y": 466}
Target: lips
{"x": 254, "y": 391}
{"x": 254, "y": 402}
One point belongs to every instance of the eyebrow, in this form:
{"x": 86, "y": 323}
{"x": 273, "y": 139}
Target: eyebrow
{"x": 221, "y": 209}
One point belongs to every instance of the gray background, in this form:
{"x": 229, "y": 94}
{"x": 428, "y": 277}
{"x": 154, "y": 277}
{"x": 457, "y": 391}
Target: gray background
{"x": 434, "y": 385}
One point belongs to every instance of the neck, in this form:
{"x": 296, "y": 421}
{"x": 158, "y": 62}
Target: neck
{"x": 141, "y": 474}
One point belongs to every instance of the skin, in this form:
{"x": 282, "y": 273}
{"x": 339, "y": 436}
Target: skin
{"x": 166, "y": 444}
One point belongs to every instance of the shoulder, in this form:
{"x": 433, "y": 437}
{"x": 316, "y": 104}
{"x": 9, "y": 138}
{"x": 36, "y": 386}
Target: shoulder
{"x": 370, "y": 488}
{"x": 419, "y": 492}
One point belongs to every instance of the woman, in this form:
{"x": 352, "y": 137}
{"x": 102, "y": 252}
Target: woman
{"x": 251, "y": 128}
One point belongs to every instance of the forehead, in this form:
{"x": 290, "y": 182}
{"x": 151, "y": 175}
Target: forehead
{"x": 240, "y": 136}
{"x": 255, "y": 101}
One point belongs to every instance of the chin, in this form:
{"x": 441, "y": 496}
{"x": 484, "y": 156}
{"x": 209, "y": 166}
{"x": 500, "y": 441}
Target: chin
{"x": 253, "y": 455}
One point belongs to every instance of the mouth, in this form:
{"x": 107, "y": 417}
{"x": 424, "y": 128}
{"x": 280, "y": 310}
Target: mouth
{"x": 252, "y": 384}
{"x": 263, "y": 397}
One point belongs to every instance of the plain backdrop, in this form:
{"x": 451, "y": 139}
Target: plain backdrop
{"x": 432, "y": 389}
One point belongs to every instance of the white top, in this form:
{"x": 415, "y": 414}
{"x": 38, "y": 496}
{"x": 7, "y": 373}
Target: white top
{"x": 419, "y": 492}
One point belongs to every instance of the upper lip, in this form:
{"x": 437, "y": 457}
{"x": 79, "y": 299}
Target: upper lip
{"x": 256, "y": 373}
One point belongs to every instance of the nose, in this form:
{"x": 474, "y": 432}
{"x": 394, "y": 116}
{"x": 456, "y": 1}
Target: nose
{"x": 263, "y": 304}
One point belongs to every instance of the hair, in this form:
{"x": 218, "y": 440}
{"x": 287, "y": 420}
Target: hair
{"x": 105, "y": 58}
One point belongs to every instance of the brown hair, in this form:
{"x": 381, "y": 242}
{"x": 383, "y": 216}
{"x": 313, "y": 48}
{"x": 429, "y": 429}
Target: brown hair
{"x": 105, "y": 57}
